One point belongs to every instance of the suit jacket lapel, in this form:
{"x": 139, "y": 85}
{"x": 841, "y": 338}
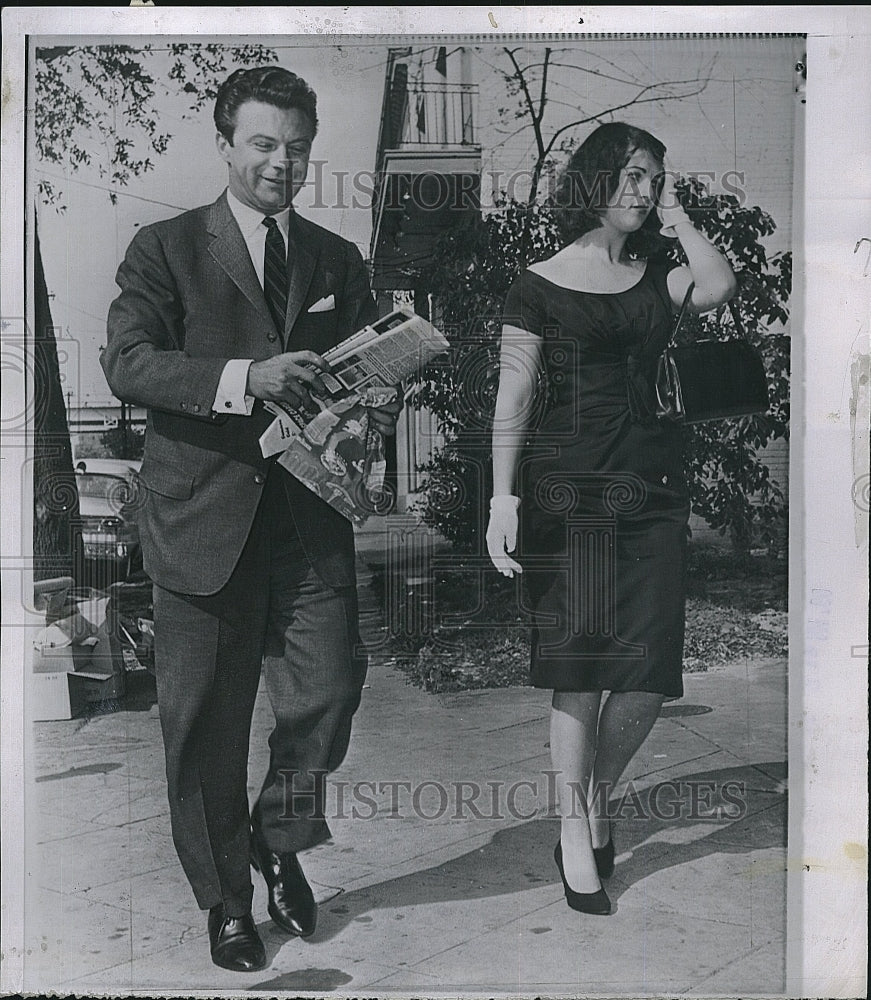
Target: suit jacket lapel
{"x": 302, "y": 255}
{"x": 230, "y": 251}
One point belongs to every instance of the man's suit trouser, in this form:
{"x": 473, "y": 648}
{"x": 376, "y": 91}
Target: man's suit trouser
{"x": 208, "y": 655}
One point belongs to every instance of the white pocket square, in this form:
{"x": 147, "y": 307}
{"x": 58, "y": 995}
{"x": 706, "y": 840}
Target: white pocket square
{"x": 323, "y": 305}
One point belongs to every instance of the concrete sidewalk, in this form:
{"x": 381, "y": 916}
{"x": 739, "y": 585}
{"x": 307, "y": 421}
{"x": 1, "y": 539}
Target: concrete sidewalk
{"x": 440, "y": 877}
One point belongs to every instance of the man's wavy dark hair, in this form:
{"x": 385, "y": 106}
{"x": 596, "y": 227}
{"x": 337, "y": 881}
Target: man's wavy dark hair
{"x": 590, "y": 179}
{"x": 268, "y": 84}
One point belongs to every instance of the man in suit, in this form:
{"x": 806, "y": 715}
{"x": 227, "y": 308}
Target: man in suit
{"x": 220, "y": 309}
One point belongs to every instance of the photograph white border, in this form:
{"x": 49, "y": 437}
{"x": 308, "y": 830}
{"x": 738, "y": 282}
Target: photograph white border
{"x": 828, "y": 605}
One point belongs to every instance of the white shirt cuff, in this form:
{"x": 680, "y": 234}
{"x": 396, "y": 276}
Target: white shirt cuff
{"x": 231, "y": 397}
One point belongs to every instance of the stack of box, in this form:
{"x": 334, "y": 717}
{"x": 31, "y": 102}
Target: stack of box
{"x": 76, "y": 656}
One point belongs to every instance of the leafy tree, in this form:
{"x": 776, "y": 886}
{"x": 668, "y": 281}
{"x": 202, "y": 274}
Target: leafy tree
{"x": 474, "y": 268}
{"x": 731, "y": 487}
{"x": 97, "y": 106}
{"x": 123, "y": 442}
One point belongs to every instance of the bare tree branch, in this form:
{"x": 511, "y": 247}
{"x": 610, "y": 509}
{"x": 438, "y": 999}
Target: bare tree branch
{"x": 543, "y": 100}
{"x": 520, "y": 83}
{"x": 536, "y": 122}
{"x": 620, "y": 107}
{"x": 629, "y": 82}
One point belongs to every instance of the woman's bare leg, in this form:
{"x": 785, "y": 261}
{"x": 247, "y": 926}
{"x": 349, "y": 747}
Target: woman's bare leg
{"x": 573, "y": 719}
{"x": 625, "y": 721}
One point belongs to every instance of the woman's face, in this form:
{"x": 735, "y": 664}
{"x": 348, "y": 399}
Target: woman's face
{"x": 633, "y": 199}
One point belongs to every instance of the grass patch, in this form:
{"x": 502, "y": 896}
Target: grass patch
{"x": 736, "y": 609}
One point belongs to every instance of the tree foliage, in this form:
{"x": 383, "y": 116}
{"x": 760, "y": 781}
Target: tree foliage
{"x": 123, "y": 442}
{"x": 97, "y": 106}
{"x": 731, "y": 487}
{"x": 469, "y": 276}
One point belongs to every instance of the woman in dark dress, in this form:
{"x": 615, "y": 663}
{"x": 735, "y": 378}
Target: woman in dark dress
{"x": 596, "y": 486}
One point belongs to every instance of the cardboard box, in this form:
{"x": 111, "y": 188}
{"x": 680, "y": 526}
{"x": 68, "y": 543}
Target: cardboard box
{"x": 76, "y": 658}
{"x": 73, "y": 643}
{"x": 57, "y": 696}
{"x": 103, "y": 687}
{"x": 52, "y": 659}
{"x": 104, "y": 651}
{"x": 84, "y": 616}
{"x": 50, "y": 596}
{"x": 66, "y": 694}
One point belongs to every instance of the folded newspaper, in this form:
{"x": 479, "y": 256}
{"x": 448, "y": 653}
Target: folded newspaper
{"x": 334, "y": 449}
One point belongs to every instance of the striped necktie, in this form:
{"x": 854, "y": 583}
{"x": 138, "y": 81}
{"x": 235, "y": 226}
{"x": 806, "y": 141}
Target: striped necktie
{"x": 275, "y": 273}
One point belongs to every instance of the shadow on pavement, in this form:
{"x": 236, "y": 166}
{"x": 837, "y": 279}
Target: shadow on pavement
{"x": 522, "y": 856}
{"x": 683, "y": 711}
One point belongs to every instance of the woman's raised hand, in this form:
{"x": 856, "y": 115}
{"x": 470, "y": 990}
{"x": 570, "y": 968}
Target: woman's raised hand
{"x": 502, "y": 533}
{"x": 669, "y": 209}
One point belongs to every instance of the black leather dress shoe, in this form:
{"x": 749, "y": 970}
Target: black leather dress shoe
{"x": 291, "y": 902}
{"x": 234, "y": 941}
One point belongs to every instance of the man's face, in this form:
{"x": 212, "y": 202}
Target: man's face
{"x": 268, "y": 157}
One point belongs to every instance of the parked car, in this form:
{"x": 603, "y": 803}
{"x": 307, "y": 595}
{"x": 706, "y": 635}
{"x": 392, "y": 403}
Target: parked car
{"x": 126, "y": 467}
{"x": 108, "y": 503}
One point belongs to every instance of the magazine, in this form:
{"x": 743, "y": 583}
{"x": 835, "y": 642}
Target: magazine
{"x": 333, "y": 448}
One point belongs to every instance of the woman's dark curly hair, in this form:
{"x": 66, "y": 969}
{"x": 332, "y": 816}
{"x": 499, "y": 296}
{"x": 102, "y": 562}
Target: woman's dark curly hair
{"x": 590, "y": 179}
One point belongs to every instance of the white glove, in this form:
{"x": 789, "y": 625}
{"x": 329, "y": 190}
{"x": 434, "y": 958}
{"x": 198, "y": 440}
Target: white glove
{"x": 502, "y": 533}
{"x": 671, "y": 212}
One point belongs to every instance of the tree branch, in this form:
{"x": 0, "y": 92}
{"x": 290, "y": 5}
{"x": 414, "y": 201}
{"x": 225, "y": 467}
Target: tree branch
{"x": 55, "y": 52}
{"x": 628, "y": 104}
{"x": 108, "y": 95}
{"x": 536, "y": 124}
{"x": 543, "y": 100}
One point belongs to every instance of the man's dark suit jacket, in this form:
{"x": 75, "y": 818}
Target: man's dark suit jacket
{"x": 190, "y": 301}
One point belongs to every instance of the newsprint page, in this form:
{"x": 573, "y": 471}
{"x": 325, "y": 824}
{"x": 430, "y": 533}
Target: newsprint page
{"x": 520, "y": 671}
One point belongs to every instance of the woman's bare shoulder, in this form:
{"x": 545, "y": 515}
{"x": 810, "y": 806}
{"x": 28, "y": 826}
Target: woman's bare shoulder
{"x": 549, "y": 266}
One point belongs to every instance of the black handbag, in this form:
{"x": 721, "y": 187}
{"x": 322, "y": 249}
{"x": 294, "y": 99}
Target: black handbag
{"x": 710, "y": 379}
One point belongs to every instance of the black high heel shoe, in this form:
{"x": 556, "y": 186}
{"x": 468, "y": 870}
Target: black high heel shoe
{"x": 605, "y": 856}
{"x": 596, "y": 903}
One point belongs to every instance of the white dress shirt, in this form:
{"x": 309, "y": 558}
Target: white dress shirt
{"x": 230, "y": 396}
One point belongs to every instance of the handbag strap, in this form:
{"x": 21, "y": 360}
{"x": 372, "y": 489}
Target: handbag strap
{"x": 733, "y": 308}
{"x": 682, "y": 313}
{"x": 736, "y": 317}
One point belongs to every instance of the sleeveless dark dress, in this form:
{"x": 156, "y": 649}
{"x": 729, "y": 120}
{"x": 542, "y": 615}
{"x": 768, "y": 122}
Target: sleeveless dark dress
{"x": 604, "y": 502}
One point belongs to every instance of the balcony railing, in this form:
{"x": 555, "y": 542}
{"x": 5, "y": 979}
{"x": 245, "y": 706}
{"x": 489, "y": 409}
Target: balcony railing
{"x": 417, "y": 116}
{"x": 437, "y": 115}
{"x": 427, "y": 172}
